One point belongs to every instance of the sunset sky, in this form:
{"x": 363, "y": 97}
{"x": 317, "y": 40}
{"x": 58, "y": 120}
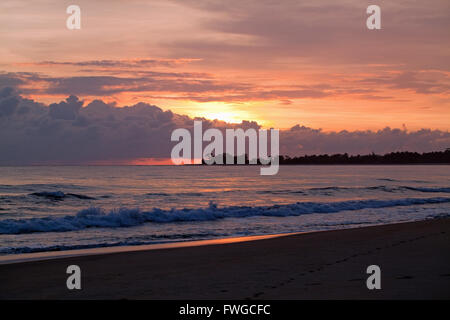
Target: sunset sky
{"x": 279, "y": 63}
{"x": 113, "y": 91}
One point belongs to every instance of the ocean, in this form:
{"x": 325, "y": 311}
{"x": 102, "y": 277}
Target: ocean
{"x": 62, "y": 207}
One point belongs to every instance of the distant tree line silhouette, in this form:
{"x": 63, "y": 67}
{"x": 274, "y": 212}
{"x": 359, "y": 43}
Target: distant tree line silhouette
{"x": 404, "y": 157}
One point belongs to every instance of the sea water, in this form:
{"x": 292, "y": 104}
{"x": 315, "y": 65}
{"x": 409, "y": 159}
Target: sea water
{"x": 64, "y": 208}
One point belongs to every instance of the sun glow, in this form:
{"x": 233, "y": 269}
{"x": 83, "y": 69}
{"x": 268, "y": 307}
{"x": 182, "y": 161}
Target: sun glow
{"x": 230, "y": 113}
{"x": 223, "y": 116}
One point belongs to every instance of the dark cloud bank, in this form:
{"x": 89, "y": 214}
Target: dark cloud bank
{"x": 71, "y": 132}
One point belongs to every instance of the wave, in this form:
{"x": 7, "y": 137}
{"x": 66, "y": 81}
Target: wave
{"x": 179, "y": 194}
{"x": 321, "y": 190}
{"x": 59, "y": 195}
{"x": 331, "y": 188}
{"x": 346, "y": 189}
{"x": 190, "y": 194}
{"x": 37, "y": 186}
{"x": 157, "y": 194}
{"x": 279, "y": 191}
{"x": 126, "y": 217}
{"x": 18, "y": 250}
{"x": 154, "y": 239}
{"x": 395, "y": 180}
{"x": 443, "y": 190}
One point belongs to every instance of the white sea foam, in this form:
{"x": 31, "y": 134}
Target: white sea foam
{"x": 126, "y": 217}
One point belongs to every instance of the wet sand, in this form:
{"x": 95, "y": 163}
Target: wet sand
{"x": 414, "y": 259}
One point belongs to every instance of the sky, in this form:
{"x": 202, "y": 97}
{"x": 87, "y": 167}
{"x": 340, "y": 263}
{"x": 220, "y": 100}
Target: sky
{"x": 290, "y": 64}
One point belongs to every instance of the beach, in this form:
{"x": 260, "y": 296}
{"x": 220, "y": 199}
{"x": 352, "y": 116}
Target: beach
{"x": 198, "y": 151}
{"x": 414, "y": 259}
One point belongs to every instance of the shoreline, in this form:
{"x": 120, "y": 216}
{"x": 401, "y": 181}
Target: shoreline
{"x": 61, "y": 254}
{"x": 51, "y": 255}
{"x": 414, "y": 258}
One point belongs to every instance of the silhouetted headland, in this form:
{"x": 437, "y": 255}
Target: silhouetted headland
{"x": 404, "y": 157}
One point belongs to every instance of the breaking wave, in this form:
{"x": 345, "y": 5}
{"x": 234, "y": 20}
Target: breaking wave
{"x": 126, "y": 217}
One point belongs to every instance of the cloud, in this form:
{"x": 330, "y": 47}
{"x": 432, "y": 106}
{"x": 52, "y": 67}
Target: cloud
{"x": 70, "y": 132}
{"x": 202, "y": 87}
{"x": 10, "y": 80}
{"x": 102, "y": 85}
{"x": 413, "y": 33}
{"x": 425, "y": 82}
{"x": 303, "y": 140}
{"x": 123, "y": 63}
{"x": 66, "y": 110}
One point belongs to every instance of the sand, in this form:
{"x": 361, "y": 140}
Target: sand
{"x": 414, "y": 259}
